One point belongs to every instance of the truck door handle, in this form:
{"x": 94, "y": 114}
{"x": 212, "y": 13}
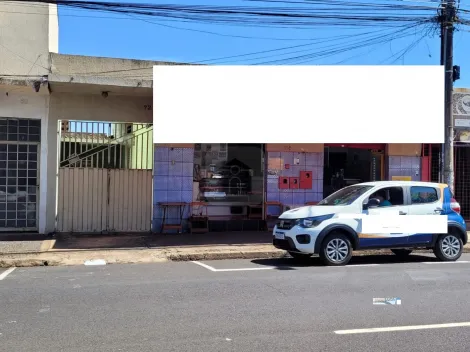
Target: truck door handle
{"x": 438, "y": 210}
{"x": 401, "y": 213}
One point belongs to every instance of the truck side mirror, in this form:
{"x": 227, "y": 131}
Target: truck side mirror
{"x": 372, "y": 203}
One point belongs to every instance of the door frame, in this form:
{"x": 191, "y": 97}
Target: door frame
{"x": 379, "y": 146}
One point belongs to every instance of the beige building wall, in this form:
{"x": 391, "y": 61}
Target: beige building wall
{"x": 27, "y": 34}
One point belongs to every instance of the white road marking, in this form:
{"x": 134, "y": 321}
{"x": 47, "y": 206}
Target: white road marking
{"x": 402, "y": 328}
{"x": 458, "y": 262}
{"x": 208, "y": 267}
{"x": 244, "y": 269}
{"x": 352, "y": 265}
{"x": 6, "y": 273}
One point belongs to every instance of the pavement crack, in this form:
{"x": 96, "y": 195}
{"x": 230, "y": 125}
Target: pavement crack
{"x": 276, "y": 289}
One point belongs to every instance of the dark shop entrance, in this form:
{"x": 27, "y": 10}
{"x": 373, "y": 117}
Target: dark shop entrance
{"x": 348, "y": 164}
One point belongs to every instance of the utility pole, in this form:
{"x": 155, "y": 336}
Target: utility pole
{"x": 442, "y": 63}
{"x": 448, "y": 17}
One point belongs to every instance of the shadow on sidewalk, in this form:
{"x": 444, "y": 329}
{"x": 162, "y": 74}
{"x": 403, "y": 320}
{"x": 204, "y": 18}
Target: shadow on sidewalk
{"x": 145, "y": 241}
{"x": 24, "y": 236}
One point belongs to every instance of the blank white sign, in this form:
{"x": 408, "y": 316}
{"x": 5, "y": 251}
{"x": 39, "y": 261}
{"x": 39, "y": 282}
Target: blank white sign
{"x": 413, "y": 224}
{"x": 298, "y": 104}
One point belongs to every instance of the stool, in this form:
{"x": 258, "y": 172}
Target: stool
{"x": 201, "y": 220}
{"x": 269, "y": 216}
{"x": 179, "y": 226}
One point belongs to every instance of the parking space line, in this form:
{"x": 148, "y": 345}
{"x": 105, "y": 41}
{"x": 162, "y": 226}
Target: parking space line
{"x": 6, "y": 273}
{"x": 402, "y": 328}
{"x": 457, "y": 262}
{"x": 354, "y": 265}
{"x": 211, "y": 268}
{"x": 208, "y": 267}
{"x": 245, "y": 269}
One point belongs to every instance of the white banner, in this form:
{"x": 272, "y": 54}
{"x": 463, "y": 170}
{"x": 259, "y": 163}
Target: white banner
{"x": 412, "y": 224}
{"x": 298, "y": 104}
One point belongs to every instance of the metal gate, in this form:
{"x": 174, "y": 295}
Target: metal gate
{"x": 462, "y": 178}
{"x": 19, "y": 173}
{"x": 105, "y": 177}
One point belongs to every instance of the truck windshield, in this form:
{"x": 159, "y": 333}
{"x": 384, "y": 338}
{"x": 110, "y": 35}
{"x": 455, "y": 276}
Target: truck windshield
{"x": 345, "y": 196}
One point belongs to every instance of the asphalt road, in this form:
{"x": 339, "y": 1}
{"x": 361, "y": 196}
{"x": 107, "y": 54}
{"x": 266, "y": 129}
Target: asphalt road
{"x": 276, "y": 305}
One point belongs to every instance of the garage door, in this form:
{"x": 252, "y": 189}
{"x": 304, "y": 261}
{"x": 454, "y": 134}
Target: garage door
{"x": 19, "y": 181}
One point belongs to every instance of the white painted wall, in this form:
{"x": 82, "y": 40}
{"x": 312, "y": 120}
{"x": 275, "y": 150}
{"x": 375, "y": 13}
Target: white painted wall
{"x": 53, "y": 29}
{"x": 27, "y": 34}
{"x": 67, "y": 106}
{"x": 23, "y": 102}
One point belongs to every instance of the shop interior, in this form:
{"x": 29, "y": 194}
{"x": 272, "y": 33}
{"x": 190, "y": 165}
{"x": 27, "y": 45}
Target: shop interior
{"x": 347, "y": 165}
{"x": 228, "y": 186}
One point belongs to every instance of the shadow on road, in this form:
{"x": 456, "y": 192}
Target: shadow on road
{"x": 289, "y": 263}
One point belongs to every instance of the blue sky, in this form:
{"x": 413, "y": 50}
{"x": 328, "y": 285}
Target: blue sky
{"x": 112, "y": 35}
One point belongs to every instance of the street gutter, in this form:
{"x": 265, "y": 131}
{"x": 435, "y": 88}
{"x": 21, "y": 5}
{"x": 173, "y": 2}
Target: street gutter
{"x": 135, "y": 256}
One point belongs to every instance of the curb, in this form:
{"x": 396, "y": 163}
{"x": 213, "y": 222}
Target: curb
{"x": 80, "y": 257}
{"x": 150, "y": 256}
{"x": 19, "y": 263}
{"x": 275, "y": 254}
{"x": 226, "y": 255}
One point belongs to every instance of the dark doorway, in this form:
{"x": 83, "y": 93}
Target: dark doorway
{"x": 345, "y": 166}
{"x": 462, "y": 179}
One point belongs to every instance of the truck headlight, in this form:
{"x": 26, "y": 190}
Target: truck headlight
{"x": 313, "y": 221}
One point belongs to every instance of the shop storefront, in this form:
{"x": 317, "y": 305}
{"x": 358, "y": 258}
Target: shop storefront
{"x": 243, "y": 187}
{"x": 228, "y": 180}
{"x": 462, "y": 150}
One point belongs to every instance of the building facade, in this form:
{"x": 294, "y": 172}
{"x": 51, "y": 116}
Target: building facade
{"x": 230, "y": 187}
{"x": 77, "y": 152}
{"x": 462, "y": 149}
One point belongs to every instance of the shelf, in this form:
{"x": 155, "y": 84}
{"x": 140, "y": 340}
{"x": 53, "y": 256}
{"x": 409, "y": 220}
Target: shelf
{"x": 172, "y": 227}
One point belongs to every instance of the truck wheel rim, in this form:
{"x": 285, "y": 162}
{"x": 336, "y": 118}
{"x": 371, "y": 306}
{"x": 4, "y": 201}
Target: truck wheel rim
{"x": 450, "y": 246}
{"x": 337, "y": 250}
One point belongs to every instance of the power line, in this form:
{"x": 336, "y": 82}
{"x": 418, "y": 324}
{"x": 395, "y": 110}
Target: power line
{"x": 336, "y": 13}
{"x": 319, "y": 52}
{"x": 133, "y": 18}
{"x": 344, "y": 45}
{"x": 308, "y": 15}
{"x": 354, "y": 45}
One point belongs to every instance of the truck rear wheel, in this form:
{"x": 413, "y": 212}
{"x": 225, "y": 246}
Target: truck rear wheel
{"x": 448, "y": 248}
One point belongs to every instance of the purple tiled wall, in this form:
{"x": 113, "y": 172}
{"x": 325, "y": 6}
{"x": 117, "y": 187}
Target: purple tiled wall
{"x": 404, "y": 166}
{"x": 172, "y": 181}
{"x": 293, "y": 197}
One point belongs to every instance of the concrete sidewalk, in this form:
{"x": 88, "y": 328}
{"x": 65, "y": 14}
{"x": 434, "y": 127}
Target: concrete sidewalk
{"x": 34, "y": 250}
{"x": 28, "y": 250}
